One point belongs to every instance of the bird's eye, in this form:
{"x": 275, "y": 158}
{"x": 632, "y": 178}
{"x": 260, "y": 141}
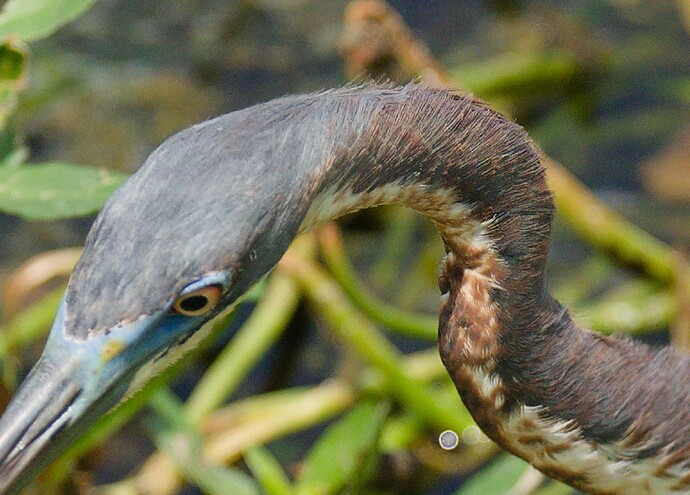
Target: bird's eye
{"x": 199, "y": 301}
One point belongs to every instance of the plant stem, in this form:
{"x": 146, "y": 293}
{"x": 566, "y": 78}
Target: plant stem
{"x": 607, "y": 230}
{"x": 266, "y": 323}
{"x": 412, "y": 324}
{"x": 356, "y": 331}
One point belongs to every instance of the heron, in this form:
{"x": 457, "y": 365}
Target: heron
{"x": 214, "y": 208}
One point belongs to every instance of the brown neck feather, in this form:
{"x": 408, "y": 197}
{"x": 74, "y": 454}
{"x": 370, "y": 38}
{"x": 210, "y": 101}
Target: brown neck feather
{"x": 522, "y": 367}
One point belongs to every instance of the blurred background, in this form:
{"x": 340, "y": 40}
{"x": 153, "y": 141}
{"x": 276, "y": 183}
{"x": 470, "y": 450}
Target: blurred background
{"x": 603, "y": 86}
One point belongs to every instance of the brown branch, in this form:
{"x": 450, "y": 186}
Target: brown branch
{"x": 376, "y": 41}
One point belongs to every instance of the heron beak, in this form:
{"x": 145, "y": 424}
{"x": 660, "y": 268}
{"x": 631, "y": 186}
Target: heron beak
{"x": 71, "y": 386}
{"x": 43, "y": 410}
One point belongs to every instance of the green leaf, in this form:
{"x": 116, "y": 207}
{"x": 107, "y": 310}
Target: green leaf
{"x": 24, "y": 328}
{"x": 177, "y": 438}
{"x": 12, "y": 77}
{"x": 267, "y": 471}
{"x": 399, "y": 433}
{"x": 218, "y": 480}
{"x": 497, "y": 478}
{"x": 55, "y": 190}
{"x": 13, "y": 158}
{"x": 31, "y": 323}
{"x": 12, "y": 58}
{"x": 34, "y": 19}
{"x": 518, "y": 72}
{"x": 343, "y": 451}
{"x": 555, "y": 488}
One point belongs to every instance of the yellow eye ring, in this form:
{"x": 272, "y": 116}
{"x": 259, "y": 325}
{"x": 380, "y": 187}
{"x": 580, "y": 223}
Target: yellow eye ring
{"x": 198, "y": 302}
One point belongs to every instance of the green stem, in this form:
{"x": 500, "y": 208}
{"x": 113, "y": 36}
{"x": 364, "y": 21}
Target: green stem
{"x": 263, "y": 418}
{"x": 607, "y": 230}
{"x": 274, "y": 415}
{"x": 413, "y": 324}
{"x": 266, "y": 323}
{"x": 399, "y": 229}
{"x": 633, "y": 308}
{"x": 356, "y": 331}
{"x": 267, "y": 471}
{"x": 517, "y": 73}
{"x": 30, "y": 324}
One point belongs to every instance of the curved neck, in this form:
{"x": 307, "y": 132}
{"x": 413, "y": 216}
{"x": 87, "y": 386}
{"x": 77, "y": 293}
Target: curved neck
{"x": 533, "y": 380}
{"x": 473, "y": 172}
{"x": 478, "y": 177}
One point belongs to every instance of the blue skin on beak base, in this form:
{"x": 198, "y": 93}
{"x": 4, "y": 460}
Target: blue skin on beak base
{"x": 77, "y": 381}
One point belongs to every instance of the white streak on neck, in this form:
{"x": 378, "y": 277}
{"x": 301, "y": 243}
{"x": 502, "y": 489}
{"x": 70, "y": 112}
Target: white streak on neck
{"x": 440, "y": 205}
{"x": 609, "y": 468}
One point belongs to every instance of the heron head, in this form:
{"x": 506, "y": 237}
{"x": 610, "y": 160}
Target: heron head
{"x": 171, "y": 251}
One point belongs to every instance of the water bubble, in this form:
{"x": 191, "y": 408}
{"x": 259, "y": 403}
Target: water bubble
{"x": 471, "y": 435}
{"x": 448, "y": 440}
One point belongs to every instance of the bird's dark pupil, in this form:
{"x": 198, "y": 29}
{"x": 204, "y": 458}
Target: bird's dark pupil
{"x": 194, "y": 303}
